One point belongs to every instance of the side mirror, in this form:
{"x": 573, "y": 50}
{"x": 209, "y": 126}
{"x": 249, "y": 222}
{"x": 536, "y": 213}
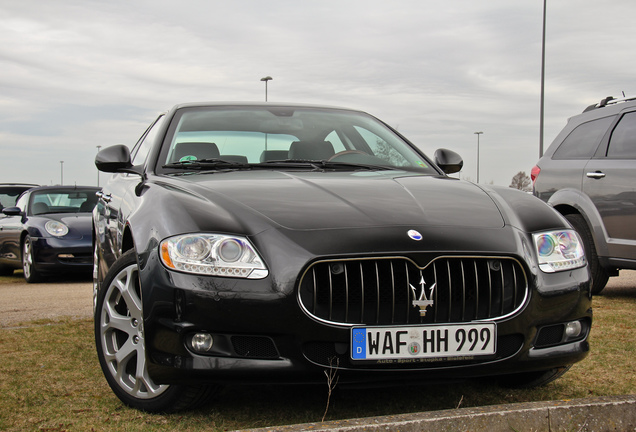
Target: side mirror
{"x": 449, "y": 161}
{"x": 115, "y": 159}
{"x": 12, "y": 211}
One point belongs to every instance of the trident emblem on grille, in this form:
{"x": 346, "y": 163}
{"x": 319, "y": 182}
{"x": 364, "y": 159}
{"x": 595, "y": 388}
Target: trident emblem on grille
{"x": 422, "y": 301}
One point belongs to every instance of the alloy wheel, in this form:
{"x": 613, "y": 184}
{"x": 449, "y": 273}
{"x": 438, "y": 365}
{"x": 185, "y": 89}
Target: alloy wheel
{"x": 122, "y": 336}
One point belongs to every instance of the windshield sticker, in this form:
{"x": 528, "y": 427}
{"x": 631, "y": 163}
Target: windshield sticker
{"x": 188, "y": 158}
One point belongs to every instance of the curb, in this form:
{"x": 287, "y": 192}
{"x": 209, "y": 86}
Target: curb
{"x": 610, "y": 413}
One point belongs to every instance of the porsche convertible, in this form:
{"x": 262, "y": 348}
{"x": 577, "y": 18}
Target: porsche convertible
{"x": 255, "y": 243}
{"x": 48, "y": 231}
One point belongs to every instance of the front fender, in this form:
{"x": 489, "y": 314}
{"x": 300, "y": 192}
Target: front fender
{"x": 159, "y": 209}
{"x": 525, "y": 211}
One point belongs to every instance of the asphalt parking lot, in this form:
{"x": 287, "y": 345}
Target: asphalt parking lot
{"x": 21, "y": 302}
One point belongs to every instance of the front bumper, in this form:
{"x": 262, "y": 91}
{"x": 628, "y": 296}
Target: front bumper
{"x": 262, "y": 334}
{"x": 55, "y": 255}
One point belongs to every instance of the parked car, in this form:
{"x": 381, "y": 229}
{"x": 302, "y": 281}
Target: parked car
{"x": 589, "y": 175}
{"x": 48, "y": 231}
{"x": 9, "y": 193}
{"x": 271, "y": 243}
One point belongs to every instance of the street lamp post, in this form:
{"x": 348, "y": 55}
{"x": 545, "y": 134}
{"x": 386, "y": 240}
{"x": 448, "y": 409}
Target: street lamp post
{"x": 61, "y": 173}
{"x": 541, "y": 110}
{"x": 478, "y": 133}
{"x": 267, "y": 78}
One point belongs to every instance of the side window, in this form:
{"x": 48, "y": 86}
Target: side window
{"x": 22, "y": 202}
{"x": 583, "y": 140}
{"x": 622, "y": 144}
{"x": 140, "y": 152}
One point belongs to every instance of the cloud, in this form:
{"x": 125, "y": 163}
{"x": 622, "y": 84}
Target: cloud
{"x": 81, "y": 74}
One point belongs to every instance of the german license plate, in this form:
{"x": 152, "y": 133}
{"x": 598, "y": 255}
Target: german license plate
{"x": 423, "y": 342}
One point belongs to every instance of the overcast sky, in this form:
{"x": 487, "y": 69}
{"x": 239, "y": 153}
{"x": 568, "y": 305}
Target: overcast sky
{"x": 77, "y": 74}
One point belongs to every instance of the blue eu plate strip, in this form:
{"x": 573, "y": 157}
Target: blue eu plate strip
{"x": 358, "y": 344}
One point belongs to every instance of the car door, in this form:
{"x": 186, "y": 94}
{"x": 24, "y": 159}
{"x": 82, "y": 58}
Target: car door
{"x": 610, "y": 182}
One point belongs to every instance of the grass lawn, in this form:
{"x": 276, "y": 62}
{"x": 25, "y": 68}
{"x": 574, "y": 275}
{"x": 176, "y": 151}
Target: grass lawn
{"x": 50, "y": 380}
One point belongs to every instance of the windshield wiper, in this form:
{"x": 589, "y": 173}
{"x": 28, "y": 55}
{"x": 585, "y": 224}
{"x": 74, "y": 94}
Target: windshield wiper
{"x": 206, "y": 164}
{"x": 286, "y": 163}
{"x": 346, "y": 165}
{"x": 324, "y": 164}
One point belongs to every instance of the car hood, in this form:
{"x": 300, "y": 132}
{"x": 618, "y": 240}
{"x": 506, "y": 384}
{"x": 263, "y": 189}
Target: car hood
{"x": 325, "y": 200}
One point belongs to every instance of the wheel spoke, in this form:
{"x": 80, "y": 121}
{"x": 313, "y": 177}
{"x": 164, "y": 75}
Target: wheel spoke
{"x": 144, "y": 383}
{"x": 126, "y": 284}
{"x": 27, "y": 260}
{"x": 123, "y": 356}
{"x": 117, "y": 321}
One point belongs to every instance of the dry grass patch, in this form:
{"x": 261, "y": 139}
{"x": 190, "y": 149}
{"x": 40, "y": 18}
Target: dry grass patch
{"x": 50, "y": 381}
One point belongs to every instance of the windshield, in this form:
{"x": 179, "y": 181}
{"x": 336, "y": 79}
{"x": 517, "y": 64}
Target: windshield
{"x": 9, "y": 195}
{"x": 62, "y": 201}
{"x": 278, "y": 135}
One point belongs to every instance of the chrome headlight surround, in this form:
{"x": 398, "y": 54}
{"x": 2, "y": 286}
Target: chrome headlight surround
{"x": 56, "y": 228}
{"x": 212, "y": 255}
{"x": 559, "y": 250}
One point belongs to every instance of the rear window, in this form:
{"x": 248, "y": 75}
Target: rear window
{"x": 623, "y": 141}
{"x": 583, "y": 141}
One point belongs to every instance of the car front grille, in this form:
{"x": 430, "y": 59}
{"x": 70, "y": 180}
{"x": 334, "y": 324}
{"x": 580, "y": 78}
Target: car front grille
{"x": 382, "y": 291}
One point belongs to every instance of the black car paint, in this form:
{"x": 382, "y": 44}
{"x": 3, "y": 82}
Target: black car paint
{"x": 211, "y": 302}
{"x": 343, "y": 215}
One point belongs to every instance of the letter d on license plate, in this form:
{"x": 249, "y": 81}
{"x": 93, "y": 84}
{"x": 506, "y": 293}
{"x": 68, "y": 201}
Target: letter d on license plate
{"x": 454, "y": 340}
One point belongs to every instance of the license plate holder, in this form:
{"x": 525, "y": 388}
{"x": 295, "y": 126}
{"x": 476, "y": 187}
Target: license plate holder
{"x": 447, "y": 341}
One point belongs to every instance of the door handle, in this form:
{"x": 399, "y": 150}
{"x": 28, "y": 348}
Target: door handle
{"x": 596, "y": 175}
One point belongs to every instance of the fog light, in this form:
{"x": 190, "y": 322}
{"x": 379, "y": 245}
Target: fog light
{"x": 202, "y": 342}
{"x": 573, "y": 329}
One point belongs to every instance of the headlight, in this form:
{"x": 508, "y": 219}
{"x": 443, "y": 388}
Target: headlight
{"x": 214, "y": 255}
{"x": 55, "y": 228}
{"x": 559, "y": 250}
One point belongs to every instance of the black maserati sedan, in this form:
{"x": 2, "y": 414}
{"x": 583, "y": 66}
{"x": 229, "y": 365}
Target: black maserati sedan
{"x": 255, "y": 243}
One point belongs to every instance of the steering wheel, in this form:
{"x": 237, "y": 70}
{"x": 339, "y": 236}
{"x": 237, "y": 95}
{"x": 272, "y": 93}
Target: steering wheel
{"x": 346, "y": 152}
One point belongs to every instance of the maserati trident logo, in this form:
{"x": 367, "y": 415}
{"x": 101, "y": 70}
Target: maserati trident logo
{"x": 414, "y": 235}
{"x": 423, "y": 301}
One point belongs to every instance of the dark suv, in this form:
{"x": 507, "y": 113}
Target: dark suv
{"x": 589, "y": 175}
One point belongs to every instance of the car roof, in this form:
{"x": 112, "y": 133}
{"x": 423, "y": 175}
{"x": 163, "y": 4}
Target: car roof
{"x": 39, "y": 188}
{"x": 18, "y": 185}
{"x": 610, "y": 101}
{"x": 260, "y": 104}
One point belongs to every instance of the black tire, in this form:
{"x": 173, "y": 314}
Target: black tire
{"x": 6, "y": 271}
{"x": 532, "y": 379}
{"x": 118, "y": 330}
{"x": 31, "y": 274}
{"x": 599, "y": 274}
